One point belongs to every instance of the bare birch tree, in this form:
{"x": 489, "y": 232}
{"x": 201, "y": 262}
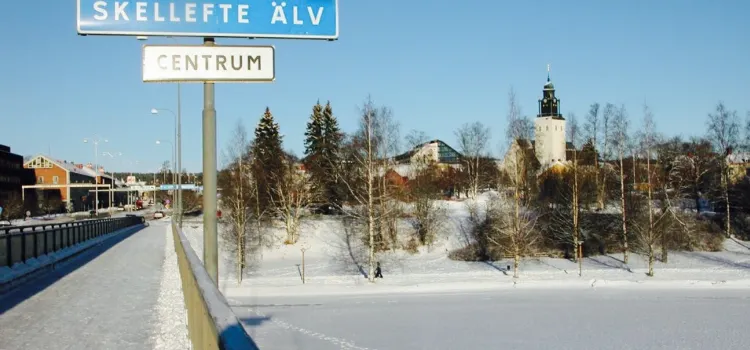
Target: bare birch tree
{"x": 472, "y": 140}
{"x": 387, "y": 130}
{"x": 574, "y": 137}
{"x": 514, "y": 226}
{"x": 620, "y": 143}
{"x": 292, "y": 194}
{"x": 695, "y": 165}
{"x": 650, "y": 235}
{"x": 361, "y": 177}
{"x": 415, "y": 138}
{"x": 597, "y": 128}
{"x": 723, "y": 131}
{"x": 563, "y": 215}
{"x": 235, "y": 197}
{"x": 428, "y": 213}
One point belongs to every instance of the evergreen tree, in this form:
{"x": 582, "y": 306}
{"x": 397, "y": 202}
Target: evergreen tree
{"x": 322, "y": 144}
{"x": 314, "y": 144}
{"x": 268, "y": 158}
{"x": 334, "y": 191}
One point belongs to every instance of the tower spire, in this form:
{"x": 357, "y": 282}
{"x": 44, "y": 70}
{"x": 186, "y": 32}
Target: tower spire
{"x": 547, "y": 71}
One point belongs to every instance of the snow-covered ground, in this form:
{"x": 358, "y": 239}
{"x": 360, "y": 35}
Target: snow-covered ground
{"x": 426, "y": 301}
{"x": 170, "y": 330}
{"x": 535, "y": 319}
{"x": 335, "y": 264}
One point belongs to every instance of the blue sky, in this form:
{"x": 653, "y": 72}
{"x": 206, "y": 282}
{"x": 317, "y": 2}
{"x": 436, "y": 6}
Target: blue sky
{"x": 437, "y": 64}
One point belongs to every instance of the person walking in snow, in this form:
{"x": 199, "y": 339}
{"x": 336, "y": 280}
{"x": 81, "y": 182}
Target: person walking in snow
{"x": 378, "y": 271}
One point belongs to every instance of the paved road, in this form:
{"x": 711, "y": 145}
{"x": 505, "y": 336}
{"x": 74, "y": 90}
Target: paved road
{"x": 104, "y": 299}
{"x": 517, "y": 319}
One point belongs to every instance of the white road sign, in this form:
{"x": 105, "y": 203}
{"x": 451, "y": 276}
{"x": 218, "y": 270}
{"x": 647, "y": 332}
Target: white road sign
{"x": 198, "y": 63}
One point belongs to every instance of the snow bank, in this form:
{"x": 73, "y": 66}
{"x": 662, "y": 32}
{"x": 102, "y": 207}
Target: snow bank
{"x": 171, "y": 331}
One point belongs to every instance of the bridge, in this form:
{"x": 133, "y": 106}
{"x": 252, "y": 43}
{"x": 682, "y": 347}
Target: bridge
{"x": 103, "y": 283}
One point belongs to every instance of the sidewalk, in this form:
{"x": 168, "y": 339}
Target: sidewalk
{"x": 102, "y": 299}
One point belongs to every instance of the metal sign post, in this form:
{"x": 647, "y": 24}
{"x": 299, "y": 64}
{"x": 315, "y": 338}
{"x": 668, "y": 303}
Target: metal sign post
{"x": 208, "y": 63}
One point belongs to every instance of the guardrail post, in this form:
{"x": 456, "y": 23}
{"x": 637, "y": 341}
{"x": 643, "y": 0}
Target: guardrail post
{"x": 23, "y": 248}
{"x": 8, "y": 250}
{"x": 35, "y": 244}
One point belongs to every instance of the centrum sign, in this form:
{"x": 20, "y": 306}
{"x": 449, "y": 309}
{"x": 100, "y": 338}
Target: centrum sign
{"x": 284, "y": 19}
{"x": 191, "y": 63}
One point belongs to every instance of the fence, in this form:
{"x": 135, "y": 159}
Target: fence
{"x": 211, "y": 322}
{"x": 21, "y": 243}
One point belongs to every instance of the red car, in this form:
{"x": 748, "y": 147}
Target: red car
{"x": 139, "y": 204}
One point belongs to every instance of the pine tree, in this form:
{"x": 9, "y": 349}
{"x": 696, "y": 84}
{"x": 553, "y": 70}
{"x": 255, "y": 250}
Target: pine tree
{"x": 268, "y": 158}
{"x": 313, "y": 144}
{"x": 333, "y": 137}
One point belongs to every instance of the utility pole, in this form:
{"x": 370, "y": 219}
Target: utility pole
{"x": 179, "y": 155}
{"x": 210, "y": 227}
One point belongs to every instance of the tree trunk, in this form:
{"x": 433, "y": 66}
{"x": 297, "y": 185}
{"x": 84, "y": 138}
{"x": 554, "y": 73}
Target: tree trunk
{"x": 651, "y": 259}
{"x": 579, "y": 252}
{"x": 726, "y": 201}
{"x": 370, "y": 208}
{"x": 624, "y": 211}
{"x": 239, "y": 258}
{"x": 650, "y": 217}
{"x": 576, "y": 229}
{"x": 516, "y": 263}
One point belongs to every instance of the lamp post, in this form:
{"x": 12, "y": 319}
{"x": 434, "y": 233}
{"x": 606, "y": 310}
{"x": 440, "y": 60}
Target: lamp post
{"x": 178, "y": 146}
{"x": 95, "y": 140}
{"x": 154, "y": 200}
{"x": 159, "y": 142}
{"x": 178, "y": 137}
{"x": 112, "y": 180}
{"x": 173, "y": 166}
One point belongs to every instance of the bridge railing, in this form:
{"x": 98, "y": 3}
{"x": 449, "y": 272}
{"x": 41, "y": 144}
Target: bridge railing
{"x": 18, "y": 244}
{"x": 211, "y": 322}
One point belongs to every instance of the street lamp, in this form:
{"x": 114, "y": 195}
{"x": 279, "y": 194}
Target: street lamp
{"x": 178, "y": 138}
{"x": 173, "y": 155}
{"x": 112, "y": 180}
{"x": 159, "y": 142}
{"x": 95, "y": 140}
{"x": 178, "y": 151}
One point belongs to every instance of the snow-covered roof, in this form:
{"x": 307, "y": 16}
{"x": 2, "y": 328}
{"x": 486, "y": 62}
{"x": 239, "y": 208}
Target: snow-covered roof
{"x": 69, "y": 166}
{"x": 739, "y": 158}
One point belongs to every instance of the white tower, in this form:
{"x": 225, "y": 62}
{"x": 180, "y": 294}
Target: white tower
{"x": 549, "y": 128}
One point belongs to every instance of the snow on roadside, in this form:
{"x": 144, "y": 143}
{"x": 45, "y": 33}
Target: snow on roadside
{"x": 171, "y": 331}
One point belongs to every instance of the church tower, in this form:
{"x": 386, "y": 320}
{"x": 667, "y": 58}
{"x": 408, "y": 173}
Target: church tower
{"x": 549, "y": 128}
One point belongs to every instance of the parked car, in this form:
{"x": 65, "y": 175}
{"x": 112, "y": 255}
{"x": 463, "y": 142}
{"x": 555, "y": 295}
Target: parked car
{"x": 158, "y": 214}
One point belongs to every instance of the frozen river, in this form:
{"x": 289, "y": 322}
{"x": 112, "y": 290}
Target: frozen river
{"x": 512, "y": 319}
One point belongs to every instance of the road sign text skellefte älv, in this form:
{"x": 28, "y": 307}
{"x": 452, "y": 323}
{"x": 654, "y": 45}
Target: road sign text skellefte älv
{"x": 302, "y": 19}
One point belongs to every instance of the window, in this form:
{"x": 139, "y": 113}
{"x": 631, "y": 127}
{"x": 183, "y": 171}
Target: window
{"x": 40, "y": 163}
{"x": 55, "y": 180}
{"x": 40, "y": 180}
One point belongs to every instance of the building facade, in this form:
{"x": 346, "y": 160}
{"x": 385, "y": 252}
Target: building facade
{"x": 549, "y": 129}
{"x": 13, "y": 176}
{"x": 73, "y": 184}
{"x": 549, "y": 148}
